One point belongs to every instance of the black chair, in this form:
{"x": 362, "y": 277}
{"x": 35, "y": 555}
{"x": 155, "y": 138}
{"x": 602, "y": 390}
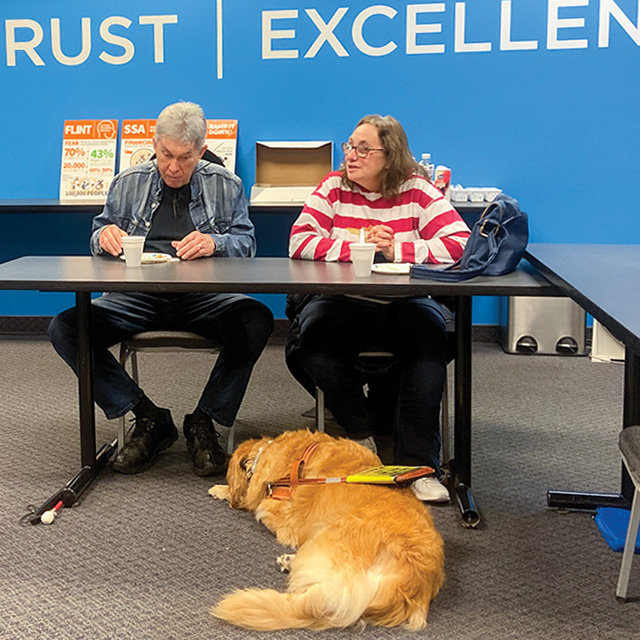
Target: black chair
{"x": 163, "y": 342}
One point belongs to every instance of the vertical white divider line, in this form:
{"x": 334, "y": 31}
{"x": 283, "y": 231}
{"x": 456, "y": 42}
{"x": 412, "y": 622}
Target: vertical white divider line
{"x": 219, "y": 36}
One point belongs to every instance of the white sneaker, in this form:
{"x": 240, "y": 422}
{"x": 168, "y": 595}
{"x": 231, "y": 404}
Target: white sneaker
{"x": 368, "y": 443}
{"x": 430, "y": 490}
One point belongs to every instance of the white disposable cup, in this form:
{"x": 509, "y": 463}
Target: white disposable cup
{"x": 132, "y": 247}
{"x": 362, "y": 254}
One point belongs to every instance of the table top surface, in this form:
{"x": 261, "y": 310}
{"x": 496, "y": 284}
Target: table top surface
{"x": 54, "y": 205}
{"x": 94, "y": 207}
{"x": 603, "y": 279}
{"x": 247, "y": 275}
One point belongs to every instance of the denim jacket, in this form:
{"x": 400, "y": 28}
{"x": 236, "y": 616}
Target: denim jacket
{"x": 218, "y": 207}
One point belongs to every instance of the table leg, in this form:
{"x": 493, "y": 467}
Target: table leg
{"x": 85, "y": 381}
{"x": 91, "y": 463}
{"x": 584, "y": 501}
{"x": 462, "y": 418}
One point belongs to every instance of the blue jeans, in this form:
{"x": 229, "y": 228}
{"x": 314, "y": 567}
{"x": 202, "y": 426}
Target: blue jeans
{"x": 334, "y": 330}
{"x": 240, "y": 325}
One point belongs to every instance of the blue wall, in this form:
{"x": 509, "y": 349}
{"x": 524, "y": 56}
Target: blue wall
{"x": 543, "y": 105}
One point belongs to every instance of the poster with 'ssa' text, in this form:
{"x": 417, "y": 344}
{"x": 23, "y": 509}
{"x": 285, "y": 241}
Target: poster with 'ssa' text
{"x": 136, "y": 145}
{"x": 88, "y": 159}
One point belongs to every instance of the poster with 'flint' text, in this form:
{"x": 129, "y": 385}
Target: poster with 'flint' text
{"x": 88, "y": 159}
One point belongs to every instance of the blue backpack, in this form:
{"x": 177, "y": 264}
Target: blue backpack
{"x": 496, "y": 245}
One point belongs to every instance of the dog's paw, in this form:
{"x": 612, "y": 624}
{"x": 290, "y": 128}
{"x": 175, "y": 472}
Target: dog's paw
{"x": 220, "y": 491}
{"x": 284, "y": 562}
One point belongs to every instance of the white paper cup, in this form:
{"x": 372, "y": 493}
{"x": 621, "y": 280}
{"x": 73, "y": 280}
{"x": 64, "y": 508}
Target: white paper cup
{"x": 362, "y": 254}
{"x": 132, "y": 247}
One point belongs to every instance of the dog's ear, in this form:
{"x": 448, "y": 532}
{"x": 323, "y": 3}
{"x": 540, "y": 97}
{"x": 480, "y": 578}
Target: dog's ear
{"x": 247, "y": 465}
{"x": 239, "y": 474}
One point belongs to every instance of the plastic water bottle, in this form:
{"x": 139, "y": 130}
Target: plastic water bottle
{"x": 428, "y": 165}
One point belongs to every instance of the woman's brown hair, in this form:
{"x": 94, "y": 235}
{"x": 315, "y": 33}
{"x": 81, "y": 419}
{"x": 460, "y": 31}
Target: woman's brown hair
{"x": 400, "y": 163}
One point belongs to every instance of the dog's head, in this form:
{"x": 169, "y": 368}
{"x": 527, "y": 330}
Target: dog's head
{"x": 241, "y": 469}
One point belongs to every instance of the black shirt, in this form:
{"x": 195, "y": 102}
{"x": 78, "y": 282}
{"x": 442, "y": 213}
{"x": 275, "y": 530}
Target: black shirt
{"x": 171, "y": 220}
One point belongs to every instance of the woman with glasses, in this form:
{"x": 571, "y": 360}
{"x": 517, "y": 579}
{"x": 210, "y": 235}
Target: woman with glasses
{"x": 382, "y": 193}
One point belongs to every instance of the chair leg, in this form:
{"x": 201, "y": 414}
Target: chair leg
{"x": 134, "y": 366}
{"x": 320, "y": 410}
{"x": 122, "y": 423}
{"x": 126, "y": 354}
{"x": 444, "y": 421}
{"x": 230, "y": 438}
{"x": 122, "y": 432}
{"x": 629, "y": 548}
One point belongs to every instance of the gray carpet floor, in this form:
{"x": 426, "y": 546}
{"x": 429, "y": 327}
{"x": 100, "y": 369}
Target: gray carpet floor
{"x": 146, "y": 556}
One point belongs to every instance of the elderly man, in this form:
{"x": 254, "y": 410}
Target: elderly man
{"x": 193, "y": 209}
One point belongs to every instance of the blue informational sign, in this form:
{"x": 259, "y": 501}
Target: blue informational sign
{"x": 538, "y": 98}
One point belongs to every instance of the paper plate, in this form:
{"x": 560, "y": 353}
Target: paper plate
{"x": 393, "y": 268}
{"x": 154, "y": 258}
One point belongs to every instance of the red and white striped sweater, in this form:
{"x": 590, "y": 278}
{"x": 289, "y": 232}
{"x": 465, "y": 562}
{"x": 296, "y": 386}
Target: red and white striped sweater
{"x": 426, "y": 227}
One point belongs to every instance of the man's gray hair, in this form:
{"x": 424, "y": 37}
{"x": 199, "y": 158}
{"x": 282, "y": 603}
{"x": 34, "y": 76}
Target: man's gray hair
{"x": 182, "y": 121}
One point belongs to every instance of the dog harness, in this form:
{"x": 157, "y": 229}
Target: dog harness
{"x": 284, "y": 488}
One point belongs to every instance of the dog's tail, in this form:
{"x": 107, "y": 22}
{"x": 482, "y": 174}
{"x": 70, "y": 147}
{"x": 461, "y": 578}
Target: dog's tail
{"x": 317, "y": 607}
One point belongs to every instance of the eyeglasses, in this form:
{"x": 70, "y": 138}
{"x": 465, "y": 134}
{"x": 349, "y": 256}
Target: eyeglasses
{"x": 361, "y": 149}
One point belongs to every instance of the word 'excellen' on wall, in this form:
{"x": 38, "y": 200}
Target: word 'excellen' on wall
{"x": 423, "y": 28}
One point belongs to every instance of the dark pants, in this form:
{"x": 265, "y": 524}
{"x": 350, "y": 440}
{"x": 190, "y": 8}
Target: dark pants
{"x": 240, "y": 325}
{"x": 335, "y": 330}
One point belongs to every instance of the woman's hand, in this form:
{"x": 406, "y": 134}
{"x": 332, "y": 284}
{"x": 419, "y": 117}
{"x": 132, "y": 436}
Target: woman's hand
{"x": 382, "y": 236}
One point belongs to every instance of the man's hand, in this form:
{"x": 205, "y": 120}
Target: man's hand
{"x": 194, "y": 245}
{"x": 110, "y": 239}
{"x": 382, "y": 236}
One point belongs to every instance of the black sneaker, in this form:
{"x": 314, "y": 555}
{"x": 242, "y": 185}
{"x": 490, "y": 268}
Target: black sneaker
{"x": 150, "y": 437}
{"x": 208, "y": 458}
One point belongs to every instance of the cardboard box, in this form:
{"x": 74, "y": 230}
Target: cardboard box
{"x": 288, "y": 172}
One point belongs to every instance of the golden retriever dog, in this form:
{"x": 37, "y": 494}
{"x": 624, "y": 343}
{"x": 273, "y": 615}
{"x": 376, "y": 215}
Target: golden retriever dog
{"x": 366, "y": 554}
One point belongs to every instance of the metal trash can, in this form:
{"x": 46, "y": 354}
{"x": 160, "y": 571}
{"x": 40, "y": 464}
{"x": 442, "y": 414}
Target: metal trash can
{"x": 545, "y": 326}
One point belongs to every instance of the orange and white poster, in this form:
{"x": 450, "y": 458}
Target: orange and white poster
{"x": 222, "y": 139}
{"x": 88, "y": 159}
{"x": 136, "y": 143}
